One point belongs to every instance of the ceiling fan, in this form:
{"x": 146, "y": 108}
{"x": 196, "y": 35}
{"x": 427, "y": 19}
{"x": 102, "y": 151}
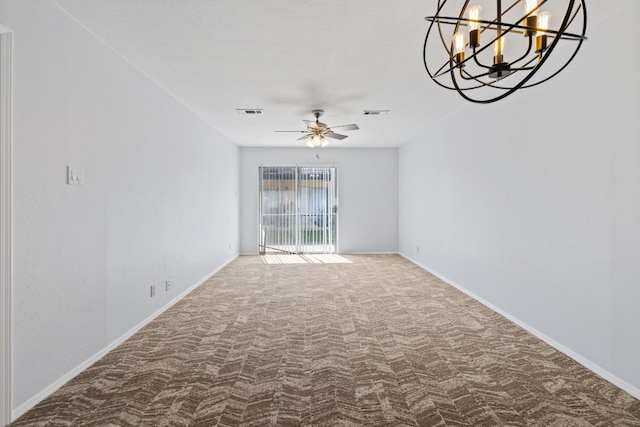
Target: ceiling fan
{"x": 317, "y": 132}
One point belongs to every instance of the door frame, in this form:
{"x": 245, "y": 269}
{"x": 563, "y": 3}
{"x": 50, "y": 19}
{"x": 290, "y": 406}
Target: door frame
{"x": 297, "y": 168}
{"x": 6, "y": 246}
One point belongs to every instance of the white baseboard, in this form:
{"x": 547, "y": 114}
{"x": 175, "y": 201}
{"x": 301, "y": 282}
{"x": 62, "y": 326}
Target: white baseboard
{"x": 20, "y": 410}
{"x": 337, "y": 253}
{"x": 370, "y": 253}
{"x": 593, "y": 367}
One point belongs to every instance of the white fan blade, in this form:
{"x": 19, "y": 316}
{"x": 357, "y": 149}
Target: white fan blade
{"x": 334, "y": 135}
{"x": 311, "y": 124}
{"x": 352, "y": 126}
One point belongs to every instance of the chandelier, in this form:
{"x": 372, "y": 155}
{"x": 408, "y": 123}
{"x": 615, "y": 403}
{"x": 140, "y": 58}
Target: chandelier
{"x": 505, "y": 50}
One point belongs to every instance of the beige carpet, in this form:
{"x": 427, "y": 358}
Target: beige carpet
{"x": 377, "y": 341}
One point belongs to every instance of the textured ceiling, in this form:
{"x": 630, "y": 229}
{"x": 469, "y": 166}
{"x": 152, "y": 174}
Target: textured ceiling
{"x": 284, "y": 56}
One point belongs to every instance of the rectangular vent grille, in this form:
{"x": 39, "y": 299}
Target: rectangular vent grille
{"x": 375, "y": 112}
{"x": 249, "y": 111}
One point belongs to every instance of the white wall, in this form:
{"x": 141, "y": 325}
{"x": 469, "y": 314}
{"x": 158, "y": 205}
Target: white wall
{"x": 533, "y": 203}
{"x": 367, "y": 194}
{"x": 159, "y": 199}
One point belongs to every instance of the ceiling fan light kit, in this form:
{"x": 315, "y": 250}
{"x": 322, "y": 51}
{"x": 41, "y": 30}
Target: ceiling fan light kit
{"x": 317, "y": 141}
{"x": 317, "y": 132}
{"x": 505, "y": 50}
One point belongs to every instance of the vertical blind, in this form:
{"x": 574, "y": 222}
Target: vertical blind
{"x": 298, "y": 209}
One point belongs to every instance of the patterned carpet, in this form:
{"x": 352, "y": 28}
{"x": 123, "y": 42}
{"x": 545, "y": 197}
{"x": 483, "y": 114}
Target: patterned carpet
{"x": 375, "y": 342}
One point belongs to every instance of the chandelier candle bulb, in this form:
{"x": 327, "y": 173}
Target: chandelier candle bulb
{"x": 475, "y": 15}
{"x": 544, "y": 20}
{"x": 458, "y": 47}
{"x": 531, "y": 19}
{"x": 500, "y": 68}
{"x": 529, "y": 6}
{"x": 498, "y": 48}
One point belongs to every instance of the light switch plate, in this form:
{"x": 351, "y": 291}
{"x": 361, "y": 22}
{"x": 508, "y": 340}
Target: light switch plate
{"x": 75, "y": 176}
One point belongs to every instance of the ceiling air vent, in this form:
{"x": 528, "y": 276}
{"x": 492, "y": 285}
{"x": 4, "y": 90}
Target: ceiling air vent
{"x": 375, "y": 112}
{"x": 249, "y": 111}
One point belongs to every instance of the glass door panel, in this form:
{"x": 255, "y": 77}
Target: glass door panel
{"x": 298, "y": 209}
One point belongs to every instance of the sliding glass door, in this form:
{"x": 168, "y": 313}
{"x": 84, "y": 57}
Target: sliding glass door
{"x": 298, "y": 209}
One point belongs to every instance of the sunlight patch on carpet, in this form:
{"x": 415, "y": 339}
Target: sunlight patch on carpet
{"x": 305, "y": 259}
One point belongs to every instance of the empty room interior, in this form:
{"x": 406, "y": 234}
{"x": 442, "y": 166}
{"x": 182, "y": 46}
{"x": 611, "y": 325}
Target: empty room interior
{"x": 296, "y": 213}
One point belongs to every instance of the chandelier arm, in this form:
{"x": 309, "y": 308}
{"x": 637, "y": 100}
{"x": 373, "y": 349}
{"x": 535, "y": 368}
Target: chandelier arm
{"x": 476, "y": 77}
{"x": 526, "y": 66}
{"x": 475, "y": 59}
{"x": 481, "y": 83}
{"x": 525, "y": 54}
{"x": 523, "y": 68}
{"x": 554, "y": 74}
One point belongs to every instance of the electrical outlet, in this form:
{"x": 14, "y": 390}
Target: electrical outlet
{"x": 153, "y": 291}
{"x": 75, "y": 176}
{"x": 167, "y": 285}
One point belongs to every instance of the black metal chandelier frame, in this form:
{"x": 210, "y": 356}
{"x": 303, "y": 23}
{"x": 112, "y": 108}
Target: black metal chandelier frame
{"x": 493, "y": 75}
